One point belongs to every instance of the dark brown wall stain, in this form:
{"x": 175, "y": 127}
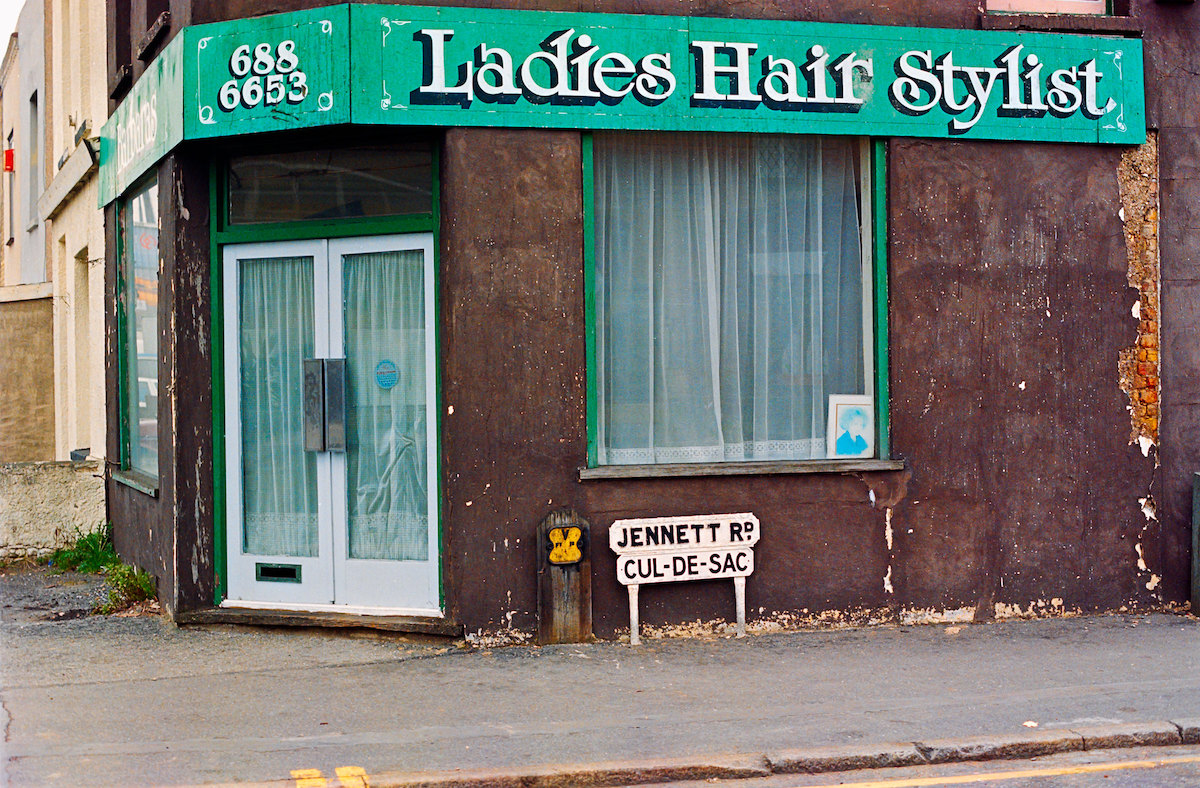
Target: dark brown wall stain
{"x": 1009, "y": 304}
{"x": 513, "y": 355}
{"x": 171, "y": 534}
{"x": 1172, "y": 43}
{"x": 192, "y": 381}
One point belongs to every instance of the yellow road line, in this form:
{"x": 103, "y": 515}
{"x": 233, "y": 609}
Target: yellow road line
{"x": 967, "y": 779}
{"x": 352, "y": 776}
{"x": 308, "y": 778}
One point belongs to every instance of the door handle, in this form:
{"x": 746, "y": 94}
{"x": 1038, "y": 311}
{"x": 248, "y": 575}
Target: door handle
{"x": 335, "y": 404}
{"x": 324, "y": 395}
{"x": 313, "y": 395}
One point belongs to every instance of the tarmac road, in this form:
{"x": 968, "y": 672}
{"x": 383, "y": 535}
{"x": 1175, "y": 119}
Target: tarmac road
{"x": 99, "y": 700}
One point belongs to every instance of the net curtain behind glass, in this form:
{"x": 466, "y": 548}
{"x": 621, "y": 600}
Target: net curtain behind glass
{"x": 729, "y": 294}
{"x": 387, "y": 457}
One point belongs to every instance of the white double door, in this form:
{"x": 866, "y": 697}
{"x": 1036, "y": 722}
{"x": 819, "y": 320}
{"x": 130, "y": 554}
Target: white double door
{"x": 331, "y": 438}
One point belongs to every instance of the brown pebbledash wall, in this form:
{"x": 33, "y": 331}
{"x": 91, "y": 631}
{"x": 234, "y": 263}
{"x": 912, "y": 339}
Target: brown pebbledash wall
{"x": 1010, "y": 306}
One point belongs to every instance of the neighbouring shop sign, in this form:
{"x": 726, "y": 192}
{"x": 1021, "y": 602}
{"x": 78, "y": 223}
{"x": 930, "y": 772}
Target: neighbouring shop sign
{"x": 146, "y": 126}
{"x": 405, "y": 65}
{"x": 693, "y": 547}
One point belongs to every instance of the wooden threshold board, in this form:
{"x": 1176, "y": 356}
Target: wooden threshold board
{"x": 296, "y": 618}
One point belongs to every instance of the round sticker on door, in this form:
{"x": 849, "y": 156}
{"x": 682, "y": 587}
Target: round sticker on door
{"x": 386, "y": 374}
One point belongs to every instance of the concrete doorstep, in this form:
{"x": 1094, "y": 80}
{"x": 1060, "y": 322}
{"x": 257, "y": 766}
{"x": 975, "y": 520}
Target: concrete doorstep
{"x": 813, "y": 760}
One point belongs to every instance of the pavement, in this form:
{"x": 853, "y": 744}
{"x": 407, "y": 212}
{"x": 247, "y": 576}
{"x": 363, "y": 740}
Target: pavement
{"x": 107, "y": 700}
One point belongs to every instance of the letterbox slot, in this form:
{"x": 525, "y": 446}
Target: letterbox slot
{"x": 277, "y": 573}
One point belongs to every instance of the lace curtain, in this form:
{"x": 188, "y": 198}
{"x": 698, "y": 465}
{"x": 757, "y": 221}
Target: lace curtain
{"x": 729, "y": 294}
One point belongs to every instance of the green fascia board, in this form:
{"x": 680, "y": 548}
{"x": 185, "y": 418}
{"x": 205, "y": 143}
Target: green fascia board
{"x": 429, "y": 66}
{"x": 397, "y": 50}
{"x": 311, "y": 89}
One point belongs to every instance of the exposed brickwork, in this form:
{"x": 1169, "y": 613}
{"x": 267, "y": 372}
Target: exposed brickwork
{"x": 1139, "y": 365}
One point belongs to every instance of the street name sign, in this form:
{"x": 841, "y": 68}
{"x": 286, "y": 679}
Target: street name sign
{"x": 691, "y": 547}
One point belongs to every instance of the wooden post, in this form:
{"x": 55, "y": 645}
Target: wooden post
{"x": 564, "y": 579}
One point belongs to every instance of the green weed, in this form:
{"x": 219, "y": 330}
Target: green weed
{"x": 126, "y": 587}
{"x": 93, "y": 553}
{"x": 90, "y": 553}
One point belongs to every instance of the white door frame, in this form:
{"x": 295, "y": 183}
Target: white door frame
{"x": 365, "y": 583}
{"x": 316, "y": 572}
{"x": 338, "y": 583}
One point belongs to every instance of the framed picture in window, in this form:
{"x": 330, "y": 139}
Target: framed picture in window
{"x": 851, "y": 426}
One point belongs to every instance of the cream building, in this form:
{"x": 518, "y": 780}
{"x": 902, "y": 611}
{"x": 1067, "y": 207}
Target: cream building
{"x": 74, "y": 225}
{"x": 26, "y": 303}
{"x": 52, "y": 418}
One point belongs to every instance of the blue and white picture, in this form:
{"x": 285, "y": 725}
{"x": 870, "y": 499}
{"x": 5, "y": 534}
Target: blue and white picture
{"x": 851, "y": 431}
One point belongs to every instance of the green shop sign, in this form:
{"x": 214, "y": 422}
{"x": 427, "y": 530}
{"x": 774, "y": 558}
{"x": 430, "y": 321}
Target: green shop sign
{"x": 404, "y": 65}
{"x": 147, "y": 124}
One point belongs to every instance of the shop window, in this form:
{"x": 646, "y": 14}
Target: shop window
{"x": 337, "y": 183}
{"x": 139, "y": 283}
{"x": 1051, "y": 6}
{"x": 732, "y": 291}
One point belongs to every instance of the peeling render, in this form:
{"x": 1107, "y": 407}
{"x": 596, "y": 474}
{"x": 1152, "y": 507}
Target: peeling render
{"x": 806, "y": 620}
{"x": 496, "y": 638}
{"x": 1138, "y": 366}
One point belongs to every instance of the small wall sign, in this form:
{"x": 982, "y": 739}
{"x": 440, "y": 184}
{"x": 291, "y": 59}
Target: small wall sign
{"x": 386, "y": 374}
{"x": 566, "y": 545}
{"x": 692, "y": 547}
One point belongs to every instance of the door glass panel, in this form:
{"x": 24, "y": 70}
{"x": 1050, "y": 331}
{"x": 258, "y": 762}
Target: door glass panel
{"x": 279, "y": 478}
{"x": 386, "y": 457}
{"x": 334, "y": 183}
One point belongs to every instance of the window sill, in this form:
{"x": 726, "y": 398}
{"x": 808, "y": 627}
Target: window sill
{"x": 1061, "y": 23}
{"x": 736, "y": 468}
{"x": 138, "y": 481}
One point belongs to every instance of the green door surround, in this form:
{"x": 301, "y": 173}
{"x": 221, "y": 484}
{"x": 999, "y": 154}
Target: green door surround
{"x": 426, "y": 66}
